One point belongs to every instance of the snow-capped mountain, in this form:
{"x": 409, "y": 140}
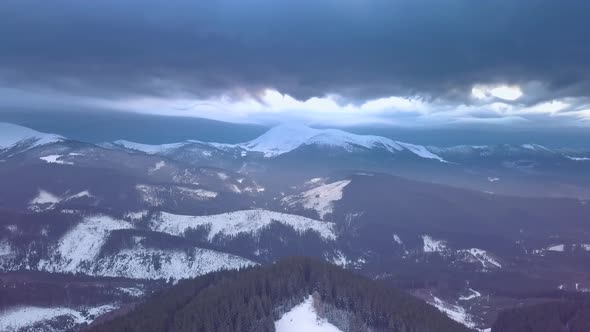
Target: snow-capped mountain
{"x": 283, "y": 139}
{"x": 289, "y": 139}
{"x": 305, "y": 152}
{"x": 286, "y": 138}
{"x": 150, "y": 212}
{"x": 12, "y": 135}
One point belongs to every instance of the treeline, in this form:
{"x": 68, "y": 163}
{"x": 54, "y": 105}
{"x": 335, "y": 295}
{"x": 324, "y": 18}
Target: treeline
{"x": 44, "y": 289}
{"x": 570, "y": 314}
{"x": 252, "y": 299}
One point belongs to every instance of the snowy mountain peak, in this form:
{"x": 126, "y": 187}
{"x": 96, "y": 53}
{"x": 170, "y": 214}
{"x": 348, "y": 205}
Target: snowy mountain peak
{"x": 11, "y": 134}
{"x": 281, "y": 139}
{"x": 288, "y": 137}
{"x": 285, "y": 138}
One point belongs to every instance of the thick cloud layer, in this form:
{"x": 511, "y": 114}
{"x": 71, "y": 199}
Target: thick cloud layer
{"x": 358, "y": 50}
{"x": 303, "y": 48}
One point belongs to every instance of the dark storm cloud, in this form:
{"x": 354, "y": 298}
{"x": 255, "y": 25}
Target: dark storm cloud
{"x": 359, "y": 49}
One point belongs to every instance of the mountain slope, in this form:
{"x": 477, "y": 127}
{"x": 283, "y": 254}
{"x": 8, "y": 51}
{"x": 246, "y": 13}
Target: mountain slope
{"x": 570, "y": 313}
{"x": 12, "y": 135}
{"x": 256, "y": 298}
{"x": 287, "y": 138}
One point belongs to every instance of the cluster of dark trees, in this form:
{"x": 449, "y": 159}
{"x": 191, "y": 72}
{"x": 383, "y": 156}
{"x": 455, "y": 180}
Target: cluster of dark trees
{"x": 45, "y": 289}
{"x": 254, "y": 298}
{"x": 570, "y": 314}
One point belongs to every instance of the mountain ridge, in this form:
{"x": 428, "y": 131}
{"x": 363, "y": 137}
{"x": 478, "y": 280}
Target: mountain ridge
{"x": 12, "y": 135}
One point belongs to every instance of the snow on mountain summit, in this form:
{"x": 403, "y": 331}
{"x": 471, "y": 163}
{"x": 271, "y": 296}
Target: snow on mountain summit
{"x": 288, "y": 137}
{"x": 285, "y": 138}
{"x": 11, "y": 134}
{"x": 281, "y": 139}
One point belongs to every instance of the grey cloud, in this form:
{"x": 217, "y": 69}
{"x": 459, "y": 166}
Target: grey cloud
{"x": 359, "y": 49}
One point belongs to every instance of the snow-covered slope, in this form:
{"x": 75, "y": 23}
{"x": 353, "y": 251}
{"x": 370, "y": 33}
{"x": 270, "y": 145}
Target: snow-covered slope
{"x": 148, "y": 263}
{"x": 81, "y": 245}
{"x": 304, "y": 318}
{"x": 240, "y": 222}
{"x": 286, "y": 138}
{"x": 433, "y": 245}
{"x": 31, "y": 318}
{"x": 78, "y": 251}
{"x": 454, "y": 312}
{"x": 148, "y": 148}
{"x": 320, "y": 198}
{"x": 47, "y": 201}
{"x": 474, "y": 255}
{"x": 55, "y": 159}
{"x": 281, "y": 139}
{"x": 11, "y": 135}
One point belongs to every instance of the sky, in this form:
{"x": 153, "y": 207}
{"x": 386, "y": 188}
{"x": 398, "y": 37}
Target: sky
{"x": 467, "y": 64}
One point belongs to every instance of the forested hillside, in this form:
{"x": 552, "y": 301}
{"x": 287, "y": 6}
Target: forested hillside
{"x": 570, "y": 314}
{"x": 254, "y": 298}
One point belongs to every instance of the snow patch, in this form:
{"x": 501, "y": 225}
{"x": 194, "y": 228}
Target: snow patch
{"x": 82, "y": 244}
{"x": 234, "y": 188}
{"x": 240, "y": 222}
{"x": 43, "y": 201}
{"x": 454, "y": 312}
{"x": 45, "y": 197}
{"x": 54, "y": 159}
{"x": 81, "y": 194}
{"x": 200, "y": 194}
{"x": 22, "y": 317}
{"x": 154, "y": 195}
{"x": 397, "y": 239}
{"x": 535, "y": 147}
{"x": 255, "y": 189}
{"x": 157, "y": 166}
{"x": 320, "y": 199}
{"x": 303, "y": 317}
{"x": 147, "y": 263}
{"x": 578, "y": 158}
{"x": 132, "y": 291}
{"x": 47, "y": 201}
{"x": 482, "y": 256}
{"x": 473, "y": 294}
{"x": 147, "y": 148}
{"x": 315, "y": 181}
{"x": 136, "y": 216}
{"x": 558, "y": 247}
{"x": 222, "y": 176}
{"x": 421, "y": 151}
{"x": 5, "y": 249}
{"x": 432, "y": 245}
{"x": 340, "y": 259}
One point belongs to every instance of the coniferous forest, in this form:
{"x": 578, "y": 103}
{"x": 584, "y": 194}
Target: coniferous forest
{"x": 568, "y": 315}
{"x": 252, "y": 299}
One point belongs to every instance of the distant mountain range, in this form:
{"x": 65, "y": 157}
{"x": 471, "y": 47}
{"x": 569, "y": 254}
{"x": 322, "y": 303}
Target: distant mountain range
{"x": 285, "y": 139}
{"x": 471, "y": 230}
{"x": 522, "y": 170}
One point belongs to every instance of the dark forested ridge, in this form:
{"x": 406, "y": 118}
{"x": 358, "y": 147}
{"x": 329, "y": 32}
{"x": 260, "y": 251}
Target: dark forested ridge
{"x": 566, "y": 315}
{"x": 252, "y": 299}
